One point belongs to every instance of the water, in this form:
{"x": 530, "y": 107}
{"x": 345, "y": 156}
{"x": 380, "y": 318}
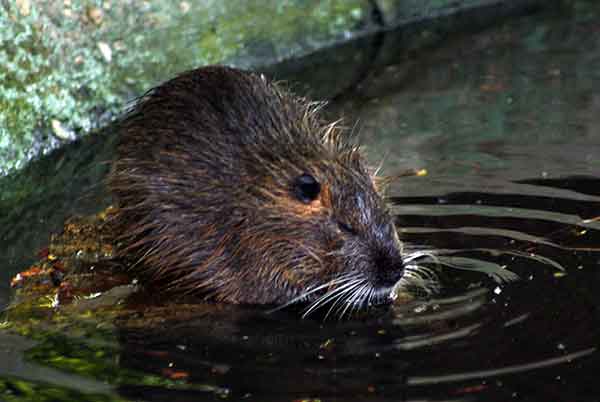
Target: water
{"x": 506, "y": 124}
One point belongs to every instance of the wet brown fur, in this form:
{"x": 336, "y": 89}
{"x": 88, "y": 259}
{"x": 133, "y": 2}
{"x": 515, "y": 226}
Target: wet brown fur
{"x": 203, "y": 180}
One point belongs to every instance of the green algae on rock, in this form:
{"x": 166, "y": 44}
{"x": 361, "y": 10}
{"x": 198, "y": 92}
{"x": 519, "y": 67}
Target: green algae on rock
{"x": 69, "y": 67}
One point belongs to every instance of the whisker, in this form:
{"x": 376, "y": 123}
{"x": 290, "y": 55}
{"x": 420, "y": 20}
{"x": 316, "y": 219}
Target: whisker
{"x": 364, "y": 300}
{"x": 352, "y": 301}
{"x": 409, "y": 257}
{"x": 328, "y": 296}
{"x": 370, "y": 298}
{"x": 332, "y": 295}
{"x": 336, "y": 297}
{"x": 336, "y": 281}
{"x": 341, "y": 297}
{"x": 349, "y": 300}
{"x": 419, "y": 277}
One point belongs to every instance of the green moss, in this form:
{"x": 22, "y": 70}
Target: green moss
{"x": 67, "y": 68}
{"x": 46, "y": 76}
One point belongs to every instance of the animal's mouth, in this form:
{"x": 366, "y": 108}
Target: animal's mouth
{"x": 357, "y": 291}
{"x": 347, "y": 297}
{"x": 347, "y": 294}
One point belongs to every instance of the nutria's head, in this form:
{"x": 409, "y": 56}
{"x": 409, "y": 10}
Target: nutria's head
{"x": 231, "y": 187}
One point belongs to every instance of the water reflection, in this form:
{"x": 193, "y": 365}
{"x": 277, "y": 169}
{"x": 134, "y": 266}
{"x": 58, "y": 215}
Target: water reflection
{"x": 479, "y": 338}
{"x": 508, "y": 130}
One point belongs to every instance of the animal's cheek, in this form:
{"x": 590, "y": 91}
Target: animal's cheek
{"x": 332, "y": 238}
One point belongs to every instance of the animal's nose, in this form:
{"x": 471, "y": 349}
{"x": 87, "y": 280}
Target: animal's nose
{"x": 388, "y": 270}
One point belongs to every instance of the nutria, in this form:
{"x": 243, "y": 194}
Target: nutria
{"x": 231, "y": 187}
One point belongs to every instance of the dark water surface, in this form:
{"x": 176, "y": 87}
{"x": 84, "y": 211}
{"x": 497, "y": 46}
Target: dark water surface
{"x": 507, "y": 125}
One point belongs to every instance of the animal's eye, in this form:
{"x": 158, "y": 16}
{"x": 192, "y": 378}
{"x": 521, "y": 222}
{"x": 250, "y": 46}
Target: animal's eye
{"x": 344, "y": 227}
{"x": 306, "y": 188}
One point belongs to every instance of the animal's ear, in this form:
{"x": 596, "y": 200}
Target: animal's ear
{"x": 382, "y": 182}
